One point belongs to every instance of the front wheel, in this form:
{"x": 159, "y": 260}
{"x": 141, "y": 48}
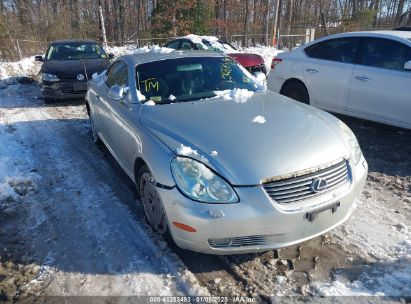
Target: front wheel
{"x": 297, "y": 91}
{"x": 152, "y": 204}
{"x": 96, "y": 139}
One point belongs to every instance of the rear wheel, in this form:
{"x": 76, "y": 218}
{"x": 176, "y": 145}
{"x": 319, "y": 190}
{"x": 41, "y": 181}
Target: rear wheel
{"x": 297, "y": 91}
{"x": 152, "y": 204}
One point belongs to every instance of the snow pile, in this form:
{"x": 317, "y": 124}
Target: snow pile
{"x": 15, "y": 72}
{"x": 149, "y": 103}
{"x": 153, "y": 49}
{"x": 16, "y": 176}
{"x": 186, "y": 151}
{"x": 120, "y": 50}
{"x": 141, "y": 97}
{"x": 259, "y": 119}
{"x": 267, "y": 52}
{"x": 212, "y": 41}
{"x": 239, "y": 95}
{"x": 99, "y": 77}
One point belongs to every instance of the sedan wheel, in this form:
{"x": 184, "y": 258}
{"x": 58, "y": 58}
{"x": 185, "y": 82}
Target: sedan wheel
{"x": 153, "y": 207}
{"x": 297, "y": 91}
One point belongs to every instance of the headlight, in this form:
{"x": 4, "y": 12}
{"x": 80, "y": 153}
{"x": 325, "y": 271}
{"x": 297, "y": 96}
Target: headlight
{"x": 49, "y": 77}
{"x": 199, "y": 183}
{"x": 352, "y": 142}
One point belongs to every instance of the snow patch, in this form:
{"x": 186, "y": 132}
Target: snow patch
{"x": 150, "y": 103}
{"x": 239, "y": 95}
{"x": 154, "y": 49}
{"x": 186, "y": 151}
{"x": 99, "y": 77}
{"x": 379, "y": 280}
{"x": 141, "y": 97}
{"x": 268, "y": 53}
{"x": 259, "y": 119}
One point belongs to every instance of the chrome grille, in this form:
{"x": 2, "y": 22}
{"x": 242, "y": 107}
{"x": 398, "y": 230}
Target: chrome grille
{"x": 300, "y": 188}
{"x": 241, "y": 241}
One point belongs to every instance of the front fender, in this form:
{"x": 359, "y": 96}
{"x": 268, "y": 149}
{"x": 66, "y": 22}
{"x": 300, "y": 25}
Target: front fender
{"x": 157, "y": 156}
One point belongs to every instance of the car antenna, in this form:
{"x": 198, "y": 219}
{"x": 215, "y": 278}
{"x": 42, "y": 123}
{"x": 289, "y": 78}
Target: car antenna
{"x": 84, "y": 66}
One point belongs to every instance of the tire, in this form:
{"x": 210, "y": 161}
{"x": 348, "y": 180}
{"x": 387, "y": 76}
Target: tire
{"x": 152, "y": 204}
{"x": 297, "y": 91}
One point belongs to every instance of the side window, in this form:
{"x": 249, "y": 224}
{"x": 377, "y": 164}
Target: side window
{"x": 341, "y": 50}
{"x": 117, "y": 74}
{"x": 122, "y": 75}
{"x": 186, "y": 45}
{"x": 385, "y": 53}
{"x": 173, "y": 44}
{"x": 112, "y": 73}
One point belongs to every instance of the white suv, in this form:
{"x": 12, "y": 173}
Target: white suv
{"x": 362, "y": 74}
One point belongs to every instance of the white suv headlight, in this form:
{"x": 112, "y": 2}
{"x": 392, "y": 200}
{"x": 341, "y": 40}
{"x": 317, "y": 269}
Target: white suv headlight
{"x": 352, "y": 142}
{"x": 49, "y": 77}
{"x": 199, "y": 183}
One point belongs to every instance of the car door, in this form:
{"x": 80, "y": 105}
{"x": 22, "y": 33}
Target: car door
{"x": 328, "y": 71}
{"x": 120, "y": 116}
{"x": 380, "y": 86}
{"x": 104, "y": 122}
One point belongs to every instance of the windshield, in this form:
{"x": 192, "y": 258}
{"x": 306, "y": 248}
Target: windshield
{"x": 75, "y": 52}
{"x": 218, "y": 46}
{"x": 187, "y": 79}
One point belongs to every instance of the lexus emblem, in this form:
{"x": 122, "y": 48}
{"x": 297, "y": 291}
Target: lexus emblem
{"x": 318, "y": 184}
{"x": 80, "y": 77}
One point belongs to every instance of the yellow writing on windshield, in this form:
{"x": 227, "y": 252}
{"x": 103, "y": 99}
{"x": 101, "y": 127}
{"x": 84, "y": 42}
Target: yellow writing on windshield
{"x": 150, "y": 83}
{"x": 226, "y": 68}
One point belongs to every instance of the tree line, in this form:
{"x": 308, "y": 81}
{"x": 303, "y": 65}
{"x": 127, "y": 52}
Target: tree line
{"x": 126, "y": 21}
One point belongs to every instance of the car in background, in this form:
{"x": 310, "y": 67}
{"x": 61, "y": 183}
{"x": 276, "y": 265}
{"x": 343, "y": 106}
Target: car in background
{"x": 361, "y": 74}
{"x": 252, "y": 62}
{"x": 221, "y": 165}
{"x": 67, "y": 66}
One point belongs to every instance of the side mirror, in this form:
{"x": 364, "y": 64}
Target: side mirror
{"x": 110, "y": 56}
{"x": 38, "y": 58}
{"x": 117, "y": 92}
{"x": 407, "y": 66}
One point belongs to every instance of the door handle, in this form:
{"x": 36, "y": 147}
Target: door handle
{"x": 312, "y": 71}
{"x": 362, "y": 78}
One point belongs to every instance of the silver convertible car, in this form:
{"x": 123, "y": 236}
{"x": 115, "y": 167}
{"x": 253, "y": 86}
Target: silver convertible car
{"x": 221, "y": 165}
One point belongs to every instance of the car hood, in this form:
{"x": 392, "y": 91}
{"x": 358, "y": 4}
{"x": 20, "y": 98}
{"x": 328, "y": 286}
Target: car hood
{"x": 70, "y": 68}
{"x": 294, "y": 136}
{"x": 247, "y": 59}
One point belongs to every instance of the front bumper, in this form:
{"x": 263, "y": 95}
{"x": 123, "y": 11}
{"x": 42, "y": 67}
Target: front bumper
{"x": 65, "y": 89}
{"x": 257, "y": 223}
